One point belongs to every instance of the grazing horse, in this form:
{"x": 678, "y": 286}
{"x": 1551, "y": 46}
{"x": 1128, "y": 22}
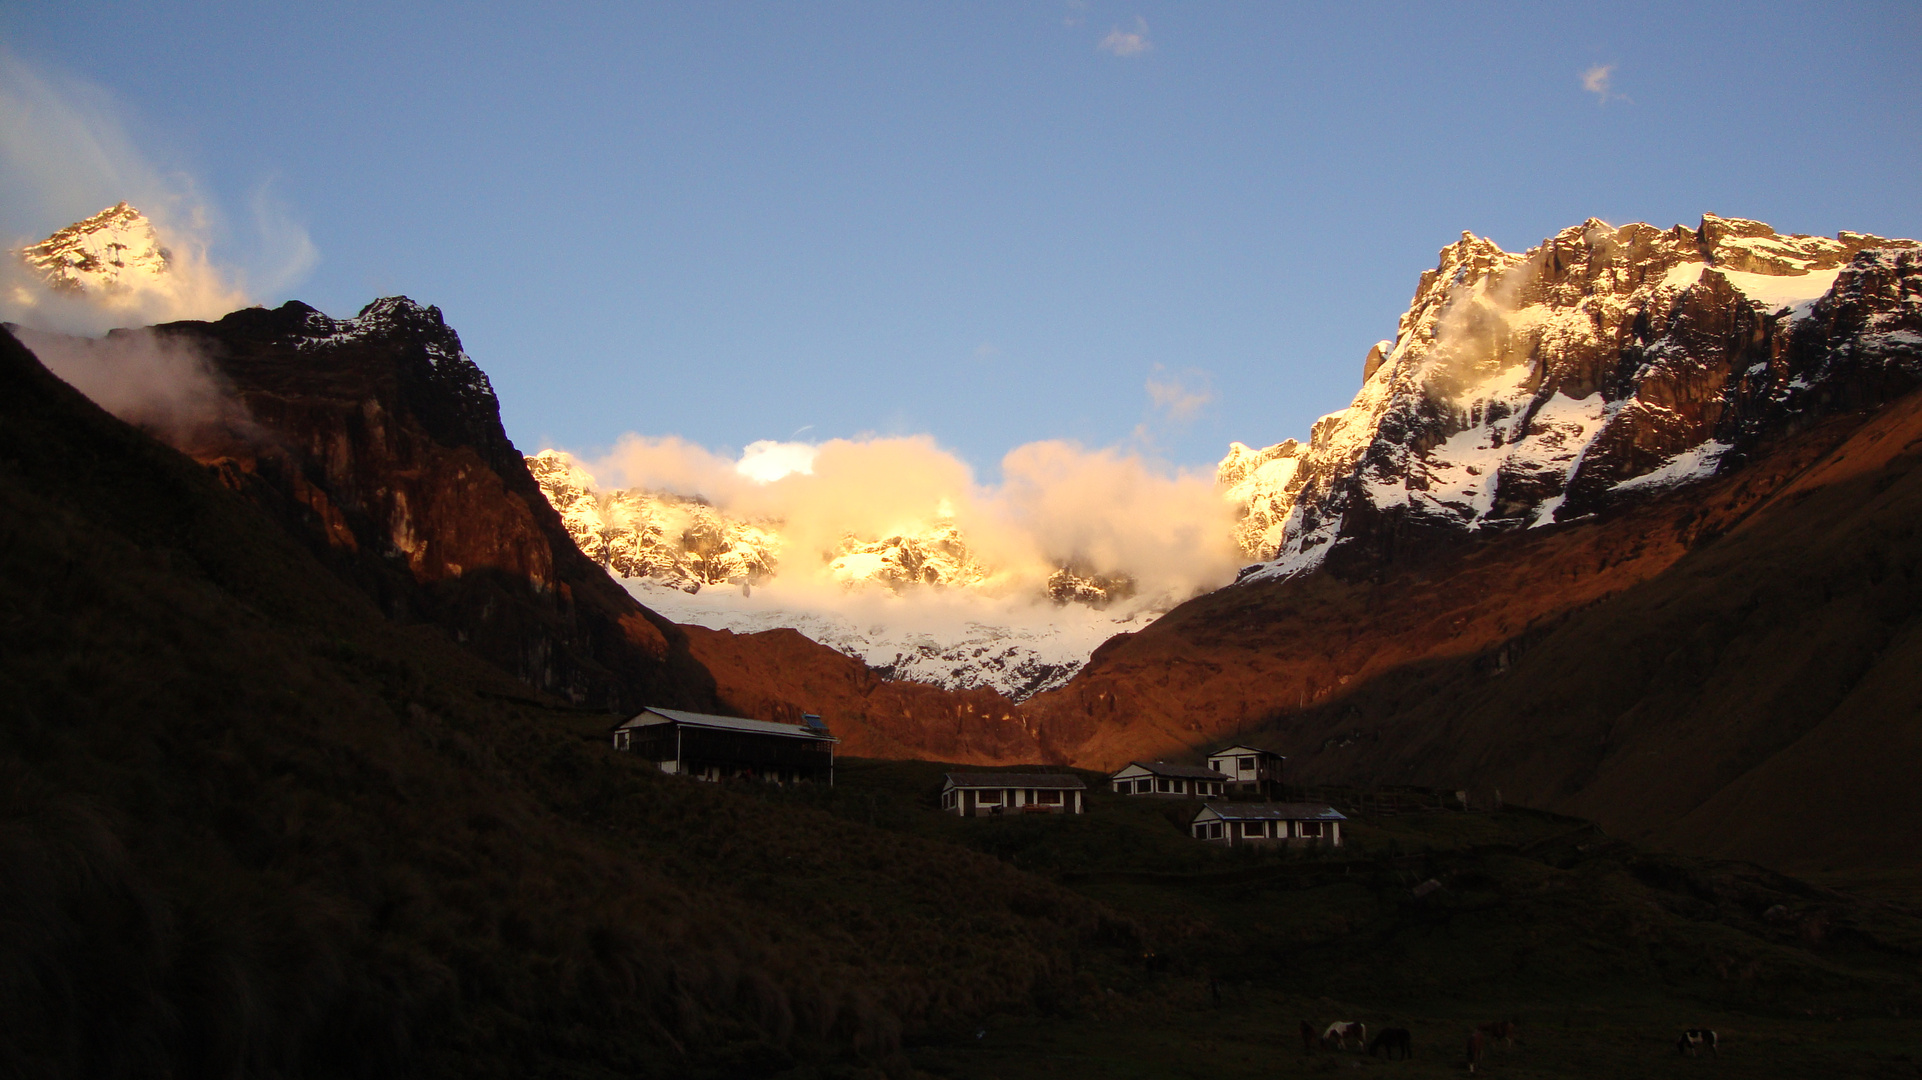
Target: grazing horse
{"x": 1499, "y": 1029}
{"x": 1694, "y": 1039}
{"x": 1307, "y": 1037}
{"x": 1476, "y": 1043}
{"x": 1391, "y": 1040}
{"x": 1339, "y": 1032}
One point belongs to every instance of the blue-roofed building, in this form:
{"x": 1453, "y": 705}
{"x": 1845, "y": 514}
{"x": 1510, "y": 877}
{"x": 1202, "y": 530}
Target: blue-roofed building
{"x": 709, "y": 747}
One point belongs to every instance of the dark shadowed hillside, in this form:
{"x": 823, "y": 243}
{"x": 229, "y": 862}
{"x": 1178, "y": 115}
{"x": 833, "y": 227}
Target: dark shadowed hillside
{"x": 1731, "y": 669}
{"x": 252, "y": 827}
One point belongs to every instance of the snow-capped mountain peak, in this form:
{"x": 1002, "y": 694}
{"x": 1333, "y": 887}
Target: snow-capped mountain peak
{"x": 1525, "y": 389}
{"x": 113, "y": 250}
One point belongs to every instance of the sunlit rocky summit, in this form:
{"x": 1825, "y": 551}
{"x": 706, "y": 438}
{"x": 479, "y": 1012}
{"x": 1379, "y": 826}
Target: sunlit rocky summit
{"x": 113, "y": 250}
{"x": 1606, "y": 364}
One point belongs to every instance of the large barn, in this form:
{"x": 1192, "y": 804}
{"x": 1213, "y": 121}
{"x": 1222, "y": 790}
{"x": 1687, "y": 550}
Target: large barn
{"x": 709, "y": 747}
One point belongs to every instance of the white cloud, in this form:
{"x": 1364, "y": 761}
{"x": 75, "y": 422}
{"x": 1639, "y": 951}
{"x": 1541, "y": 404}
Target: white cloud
{"x": 1599, "y": 80}
{"x": 1180, "y": 396}
{"x": 766, "y": 460}
{"x": 1109, "y": 510}
{"x": 1127, "y": 42}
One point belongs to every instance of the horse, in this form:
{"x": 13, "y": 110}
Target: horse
{"x": 1307, "y": 1037}
{"x": 1499, "y": 1029}
{"x": 1694, "y": 1039}
{"x": 1390, "y": 1040}
{"x": 1339, "y": 1032}
{"x": 1476, "y": 1043}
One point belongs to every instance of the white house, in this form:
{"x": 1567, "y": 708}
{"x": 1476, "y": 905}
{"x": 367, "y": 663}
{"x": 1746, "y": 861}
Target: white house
{"x": 1167, "y": 778}
{"x": 1248, "y": 768}
{"x": 977, "y": 794}
{"x": 1268, "y": 823}
{"x": 709, "y": 747}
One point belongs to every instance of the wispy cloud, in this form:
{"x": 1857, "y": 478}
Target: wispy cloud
{"x": 1600, "y": 81}
{"x": 1180, "y": 396}
{"x": 1077, "y": 12}
{"x": 1127, "y": 42}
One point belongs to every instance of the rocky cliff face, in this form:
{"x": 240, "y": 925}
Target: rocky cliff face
{"x": 1606, "y": 364}
{"x": 379, "y": 442}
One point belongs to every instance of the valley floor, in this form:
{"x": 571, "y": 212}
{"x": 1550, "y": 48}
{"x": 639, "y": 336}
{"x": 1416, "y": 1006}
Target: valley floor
{"x": 1600, "y": 951}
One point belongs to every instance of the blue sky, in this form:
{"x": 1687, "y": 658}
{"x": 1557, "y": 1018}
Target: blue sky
{"x": 1152, "y": 226}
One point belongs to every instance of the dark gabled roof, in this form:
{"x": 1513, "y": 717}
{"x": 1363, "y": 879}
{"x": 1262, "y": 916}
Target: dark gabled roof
{"x": 1288, "y": 811}
{"x": 1043, "y": 781}
{"x": 1248, "y": 746}
{"x": 1170, "y": 769}
{"x": 724, "y": 723}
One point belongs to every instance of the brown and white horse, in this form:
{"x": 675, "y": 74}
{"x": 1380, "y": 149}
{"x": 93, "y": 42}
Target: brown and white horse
{"x": 1339, "y": 1032}
{"x": 1694, "y": 1039}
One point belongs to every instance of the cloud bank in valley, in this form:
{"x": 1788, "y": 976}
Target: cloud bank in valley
{"x": 1058, "y": 503}
{"x": 151, "y": 381}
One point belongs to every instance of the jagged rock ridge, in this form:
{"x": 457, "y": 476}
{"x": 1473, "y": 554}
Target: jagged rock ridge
{"x": 1606, "y": 363}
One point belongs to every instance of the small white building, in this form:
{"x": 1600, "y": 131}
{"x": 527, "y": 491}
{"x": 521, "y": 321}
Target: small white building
{"x": 978, "y": 794}
{"x": 1248, "y": 768}
{"x": 1168, "y": 779}
{"x": 1268, "y": 823}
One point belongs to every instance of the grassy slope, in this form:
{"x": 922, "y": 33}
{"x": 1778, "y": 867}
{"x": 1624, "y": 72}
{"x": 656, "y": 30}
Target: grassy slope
{"x": 1756, "y": 700}
{"x": 1600, "y": 950}
{"x": 250, "y": 827}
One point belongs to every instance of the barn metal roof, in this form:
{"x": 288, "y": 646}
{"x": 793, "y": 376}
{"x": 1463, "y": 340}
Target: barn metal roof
{"x": 1044, "y": 781}
{"x": 648, "y": 716}
{"x": 1294, "y": 811}
{"x": 1169, "y": 768}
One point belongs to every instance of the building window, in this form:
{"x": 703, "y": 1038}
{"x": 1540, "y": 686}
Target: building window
{"x": 1252, "y": 828}
{"x": 1048, "y": 798}
{"x": 988, "y": 798}
{"x": 1214, "y": 830}
{"x": 947, "y": 801}
{"x": 1247, "y": 764}
{"x": 1160, "y": 784}
{"x": 1309, "y": 828}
